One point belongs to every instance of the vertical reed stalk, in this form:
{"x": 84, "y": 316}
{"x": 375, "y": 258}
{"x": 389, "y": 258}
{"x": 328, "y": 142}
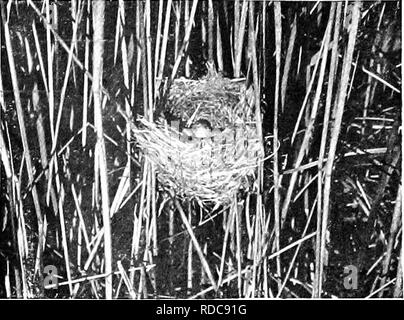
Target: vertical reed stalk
{"x": 331, "y": 79}
{"x": 185, "y": 40}
{"x": 337, "y": 128}
{"x": 219, "y": 50}
{"x": 238, "y": 45}
{"x": 186, "y": 21}
{"x": 98, "y": 50}
{"x": 398, "y": 288}
{"x": 278, "y": 44}
{"x": 161, "y": 62}
{"x": 157, "y": 48}
{"x": 211, "y": 19}
{"x": 190, "y": 270}
{"x": 85, "y": 84}
{"x": 396, "y": 222}
{"x": 288, "y": 61}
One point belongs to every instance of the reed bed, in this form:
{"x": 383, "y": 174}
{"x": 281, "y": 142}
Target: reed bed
{"x": 298, "y": 180}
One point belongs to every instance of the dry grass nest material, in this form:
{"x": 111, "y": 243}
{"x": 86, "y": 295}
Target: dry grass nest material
{"x": 210, "y": 169}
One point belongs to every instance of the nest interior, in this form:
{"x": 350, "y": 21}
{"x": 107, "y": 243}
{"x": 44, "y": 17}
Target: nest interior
{"x": 212, "y": 168}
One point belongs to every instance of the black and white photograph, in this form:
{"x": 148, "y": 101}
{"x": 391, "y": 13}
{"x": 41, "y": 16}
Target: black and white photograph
{"x": 201, "y": 150}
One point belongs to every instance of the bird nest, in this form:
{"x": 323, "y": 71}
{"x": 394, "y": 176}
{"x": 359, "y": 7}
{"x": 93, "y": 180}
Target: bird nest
{"x": 210, "y": 167}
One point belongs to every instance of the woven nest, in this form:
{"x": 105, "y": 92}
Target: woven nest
{"x": 211, "y": 169}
